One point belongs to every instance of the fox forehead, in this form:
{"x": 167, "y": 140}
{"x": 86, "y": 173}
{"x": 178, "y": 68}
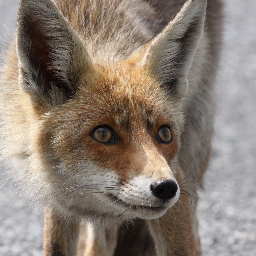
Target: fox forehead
{"x": 128, "y": 95}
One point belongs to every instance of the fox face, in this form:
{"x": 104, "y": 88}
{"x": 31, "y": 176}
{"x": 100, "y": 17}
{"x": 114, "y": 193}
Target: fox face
{"x": 110, "y": 146}
{"x": 107, "y": 135}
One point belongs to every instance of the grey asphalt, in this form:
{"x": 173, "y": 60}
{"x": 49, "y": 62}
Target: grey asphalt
{"x": 227, "y": 208}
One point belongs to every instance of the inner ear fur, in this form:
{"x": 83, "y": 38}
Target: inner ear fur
{"x": 51, "y": 55}
{"x": 169, "y": 55}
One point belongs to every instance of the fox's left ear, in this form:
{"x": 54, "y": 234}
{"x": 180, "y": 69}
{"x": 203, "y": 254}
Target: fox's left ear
{"x": 169, "y": 55}
{"x": 52, "y": 57}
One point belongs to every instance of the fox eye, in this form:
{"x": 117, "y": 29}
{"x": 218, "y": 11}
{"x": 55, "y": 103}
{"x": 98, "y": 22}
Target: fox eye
{"x": 104, "y": 134}
{"x": 164, "y": 134}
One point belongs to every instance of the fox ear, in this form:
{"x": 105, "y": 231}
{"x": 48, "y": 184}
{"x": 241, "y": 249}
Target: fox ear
{"x": 169, "y": 55}
{"x": 51, "y": 55}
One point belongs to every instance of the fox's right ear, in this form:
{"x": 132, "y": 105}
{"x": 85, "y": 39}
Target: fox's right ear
{"x": 170, "y": 54}
{"x": 51, "y": 55}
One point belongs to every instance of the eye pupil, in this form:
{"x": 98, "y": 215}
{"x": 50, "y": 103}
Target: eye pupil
{"x": 164, "y": 135}
{"x": 102, "y": 134}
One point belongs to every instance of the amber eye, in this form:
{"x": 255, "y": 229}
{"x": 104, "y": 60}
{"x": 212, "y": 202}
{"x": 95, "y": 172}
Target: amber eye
{"x": 164, "y": 134}
{"x": 104, "y": 134}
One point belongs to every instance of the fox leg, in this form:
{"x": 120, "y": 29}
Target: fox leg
{"x": 60, "y": 235}
{"x": 101, "y": 241}
{"x": 172, "y": 233}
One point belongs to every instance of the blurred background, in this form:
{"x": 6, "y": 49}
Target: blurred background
{"x": 227, "y": 208}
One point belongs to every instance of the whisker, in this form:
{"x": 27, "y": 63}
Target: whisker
{"x": 182, "y": 203}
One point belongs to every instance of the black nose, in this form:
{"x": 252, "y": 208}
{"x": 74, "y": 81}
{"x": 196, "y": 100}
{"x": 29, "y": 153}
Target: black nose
{"x": 164, "y": 189}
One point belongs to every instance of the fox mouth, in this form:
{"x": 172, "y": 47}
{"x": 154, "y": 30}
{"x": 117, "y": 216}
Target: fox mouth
{"x": 116, "y": 200}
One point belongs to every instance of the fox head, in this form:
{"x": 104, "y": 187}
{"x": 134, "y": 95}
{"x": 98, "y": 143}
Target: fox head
{"x": 107, "y": 135}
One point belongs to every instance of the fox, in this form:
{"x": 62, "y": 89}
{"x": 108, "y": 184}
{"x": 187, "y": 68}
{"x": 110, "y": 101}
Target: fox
{"x": 107, "y": 111}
